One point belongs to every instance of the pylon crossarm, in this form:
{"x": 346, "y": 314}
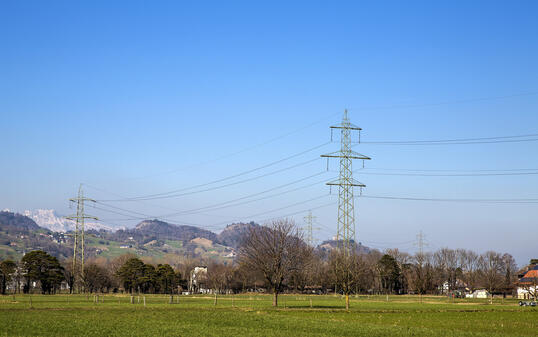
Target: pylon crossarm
{"x": 351, "y": 155}
{"x": 85, "y": 199}
{"x": 73, "y": 217}
{"x": 344, "y": 184}
{"x": 350, "y": 182}
{"x": 348, "y": 126}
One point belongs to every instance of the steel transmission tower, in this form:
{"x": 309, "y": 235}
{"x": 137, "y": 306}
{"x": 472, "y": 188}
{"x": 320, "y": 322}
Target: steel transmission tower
{"x": 345, "y": 234}
{"x": 78, "y": 235}
{"x": 420, "y": 242}
{"x": 310, "y": 228}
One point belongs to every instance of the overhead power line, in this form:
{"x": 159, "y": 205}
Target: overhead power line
{"x": 249, "y": 148}
{"x": 225, "y": 185}
{"x": 298, "y": 212}
{"x": 451, "y": 175}
{"x": 451, "y": 102}
{"x": 278, "y": 209}
{"x": 508, "y": 201}
{"x": 130, "y": 216}
{"x": 173, "y": 193}
{"x": 459, "y": 141}
{"x": 135, "y": 215}
{"x": 449, "y": 170}
{"x": 233, "y": 202}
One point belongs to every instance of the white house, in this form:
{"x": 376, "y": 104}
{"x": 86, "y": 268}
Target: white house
{"x": 528, "y": 284}
{"x": 197, "y": 279}
{"x": 526, "y": 293}
{"x": 479, "y": 293}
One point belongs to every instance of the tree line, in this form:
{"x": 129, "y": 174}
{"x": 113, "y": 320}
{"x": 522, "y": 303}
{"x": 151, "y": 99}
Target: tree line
{"x": 274, "y": 258}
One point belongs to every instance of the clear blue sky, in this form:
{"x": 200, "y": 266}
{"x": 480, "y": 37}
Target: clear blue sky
{"x": 118, "y": 94}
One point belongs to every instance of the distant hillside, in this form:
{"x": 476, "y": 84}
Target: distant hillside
{"x": 163, "y": 240}
{"x": 17, "y": 222}
{"x": 150, "y": 238}
{"x": 20, "y": 234}
{"x": 233, "y": 234}
{"x": 328, "y": 245}
{"x": 149, "y": 230}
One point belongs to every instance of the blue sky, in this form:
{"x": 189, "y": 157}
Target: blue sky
{"x": 118, "y": 95}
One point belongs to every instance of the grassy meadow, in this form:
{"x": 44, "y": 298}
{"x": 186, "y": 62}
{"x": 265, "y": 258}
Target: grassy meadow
{"x": 253, "y": 315}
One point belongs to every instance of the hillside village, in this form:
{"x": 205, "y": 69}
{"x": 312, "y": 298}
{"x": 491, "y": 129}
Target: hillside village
{"x": 162, "y": 242}
{"x": 150, "y": 238}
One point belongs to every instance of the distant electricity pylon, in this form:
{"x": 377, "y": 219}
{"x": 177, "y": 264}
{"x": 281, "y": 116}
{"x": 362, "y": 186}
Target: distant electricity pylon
{"x": 78, "y": 236}
{"x": 420, "y": 242}
{"x": 310, "y": 228}
{"x": 345, "y": 234}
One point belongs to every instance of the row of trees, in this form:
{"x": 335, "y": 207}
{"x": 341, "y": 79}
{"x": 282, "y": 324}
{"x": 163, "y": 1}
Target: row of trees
{"x": 278, "y": 253}
{"x": 275, "y": 258}
{"x": 136, "y": 275}
{"x": 35, "y": 267}
{"x": 38, "y": 269}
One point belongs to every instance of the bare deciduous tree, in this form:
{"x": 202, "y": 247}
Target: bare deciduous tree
{"x": 510, "y": 273}
{"x": 346, "y": 269}
{"x": 492, "y": 268}
{"x": 219, "y": 277}
{"x": 275, "y": 250}
{"x": 470, "y": 264}
{"x": 446, "y": 263}
{"x": 421, "y": 273}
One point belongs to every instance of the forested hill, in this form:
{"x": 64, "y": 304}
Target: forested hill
{"x": 153, "y": 238}
{"x": 20, "y": 234}
{"x": 16, "y": 222}
{"x": 160, "y": 230}
{"x": 233, "y": 234}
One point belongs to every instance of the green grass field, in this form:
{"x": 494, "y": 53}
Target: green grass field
{"x": 253, "y": 315}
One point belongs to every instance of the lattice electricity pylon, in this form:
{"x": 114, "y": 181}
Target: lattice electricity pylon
{"x": 78, "y": 235}
{"x": 310, "y": 228}
{"x": 345, "y": 234}
{"x": 421, "y": 242}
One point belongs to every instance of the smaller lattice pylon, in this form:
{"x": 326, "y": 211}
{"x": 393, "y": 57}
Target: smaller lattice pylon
{"x": 78, "y": 235}
{"x": 309, "y": 228}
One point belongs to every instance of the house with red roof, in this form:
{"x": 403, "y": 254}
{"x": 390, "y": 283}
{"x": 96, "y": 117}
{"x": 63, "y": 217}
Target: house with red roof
{"x": 528, "y": 284}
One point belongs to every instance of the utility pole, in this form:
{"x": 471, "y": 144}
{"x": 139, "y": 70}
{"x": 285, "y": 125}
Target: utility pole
{"x": 78, "y": 236}
{"x": 309, "y": 228}
{"x": 345, "y": 234}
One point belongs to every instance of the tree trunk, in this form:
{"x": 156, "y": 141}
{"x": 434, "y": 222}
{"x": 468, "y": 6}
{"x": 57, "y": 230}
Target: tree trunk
{"x": 215, "y": 302}
{"x": 347, "y": 301}
{"x": 275, "y": 299}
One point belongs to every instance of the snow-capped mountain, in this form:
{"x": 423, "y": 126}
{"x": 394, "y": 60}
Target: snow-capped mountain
{"x": 48, "y": 218}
